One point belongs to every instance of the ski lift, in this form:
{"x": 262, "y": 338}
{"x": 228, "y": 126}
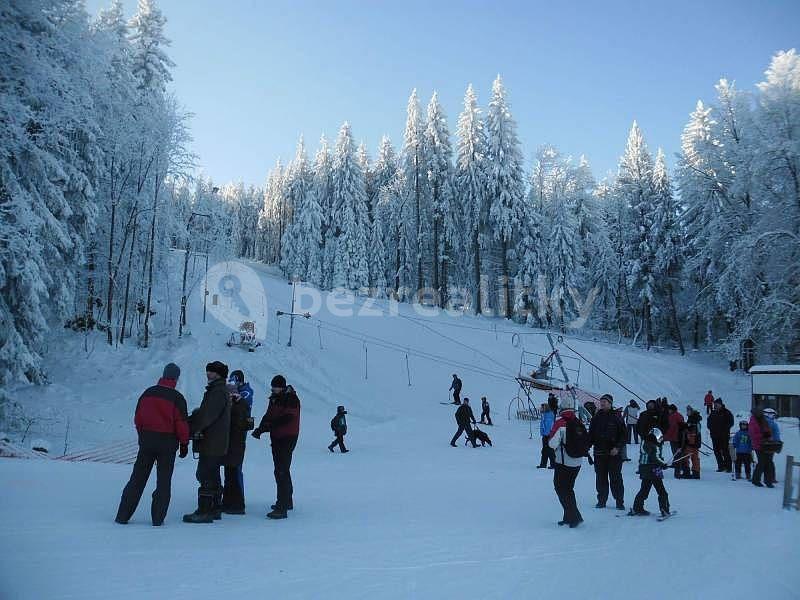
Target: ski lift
{"x": 245, "y": 337}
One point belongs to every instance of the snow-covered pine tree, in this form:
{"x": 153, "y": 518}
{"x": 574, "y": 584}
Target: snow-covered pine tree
{"x": 384, "y": 173}
{"x": 439, "y": 153}
{"x": 506, "y": 187}
{"x": 471, "y": 191}
{"x": 323, "y": 187}
{"x": 348, "y": 193}
{"x": 413, "y": 162}
{"x": 635, "y": 186}
{"x": 151, "y": 64}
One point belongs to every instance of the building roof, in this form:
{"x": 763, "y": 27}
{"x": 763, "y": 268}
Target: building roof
{"x": 774, "y": 369}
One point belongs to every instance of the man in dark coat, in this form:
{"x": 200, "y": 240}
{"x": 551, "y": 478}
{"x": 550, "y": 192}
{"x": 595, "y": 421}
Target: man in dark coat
{"x": 161, "y": 425}
{"x": 241, "y": 422}
{"x": 608, "y": 435}
{"x": 456, "y": 389}
{"x": 282, "y": 420}
{"x": 339, "y": 427}
{"x": 719, "y": 424}
{"x": 211, "y": 428}
{"x": 464, "y": 418}
{"x": 648, "y": 419}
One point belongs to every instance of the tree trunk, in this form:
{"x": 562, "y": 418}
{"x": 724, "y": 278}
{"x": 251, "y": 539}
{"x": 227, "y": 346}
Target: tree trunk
{"x": 435, "y": 265}
{"x": 507, "y": 290}
{"x": 696, "y": 341}
{"x": 121, "y": 333}
{"x": 111, "y": 273}
{"x": 90, "y": 267}
{"x": 676, "y": 328}
{"x": 476, "y": 248}
{"x": 152, "y": 245}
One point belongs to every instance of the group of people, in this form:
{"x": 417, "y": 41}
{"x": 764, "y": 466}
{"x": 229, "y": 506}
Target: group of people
{"x": 465, "y": 418}
{"x": 566, "y": 441}
{"x": 217, "y": 430}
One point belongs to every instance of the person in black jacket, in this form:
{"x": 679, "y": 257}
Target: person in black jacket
{"x": 456, "y": 389}
{"x": 486, "y": 418}
{"x": 339, "y": 427}
{"x": 241, "y": 422}
{"x": 719, "y": 424}
{"x": 649, "y": 419}
{"x": 211, "y": 429}
{"x": 464, "y": 418}
{"x": 162, "y": 428}
{"x": 608, "y": 435}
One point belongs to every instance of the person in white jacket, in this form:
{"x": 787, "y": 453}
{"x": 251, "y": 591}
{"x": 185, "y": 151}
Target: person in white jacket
{"x": 567, "y": 468}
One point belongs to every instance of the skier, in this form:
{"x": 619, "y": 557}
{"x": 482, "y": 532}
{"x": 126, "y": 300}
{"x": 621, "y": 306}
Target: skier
{"x": 545, "y": 425}
{"x": 675, "y": 420}
{"x": 744, "y": 450}
{"x": 339, "y": 427}
{"x": 485, "y": 412}
{"x": 162, "y": 428}
{"x": 719, "y": 425}
{"x": 211, "y": 425}
{"x": 631, "y": 416}
{"x": 607, "y": 432}
{"x": 282, "y": 420}
{"x": 651, "y": 472}
{"x": 464, "y": 417}
{"x": 455, "y": 387}
{"x": 570, "y": 442}
{"x": 241, "y": 422}
{"x": 708, "y": 401}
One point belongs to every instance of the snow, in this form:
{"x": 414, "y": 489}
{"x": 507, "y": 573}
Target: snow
{"x": 775, "y": 369}
{"x": 403, "y": 515}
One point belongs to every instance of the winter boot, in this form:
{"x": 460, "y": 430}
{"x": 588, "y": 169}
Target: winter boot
{"x": 695, "y": 474}
{"x": 277, "y": 513}
{"x": 216, "y": 511}
{"x": 620, "y": 505}
{"x": 640, "y": 512}
{"x": 205, "y": 507}
{"x": 600, "y": 505}
{"x": 331, "y": 448}
{"x": 276, "y": 507}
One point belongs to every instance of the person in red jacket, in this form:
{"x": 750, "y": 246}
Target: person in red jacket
{"x": 282, "y": 420}
{"x": 672, "y": 434}
{"x": 162, "y": 427}
{"x": 708, "y": 402}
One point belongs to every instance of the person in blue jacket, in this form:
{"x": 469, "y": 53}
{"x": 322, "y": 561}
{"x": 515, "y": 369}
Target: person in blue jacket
{"x": 744, "y": 450}
{"x": 545, "y": 425}
{"x": 245, "y": 393}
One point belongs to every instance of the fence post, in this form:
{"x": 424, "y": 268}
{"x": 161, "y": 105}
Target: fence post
{"x": 788, "y": 485}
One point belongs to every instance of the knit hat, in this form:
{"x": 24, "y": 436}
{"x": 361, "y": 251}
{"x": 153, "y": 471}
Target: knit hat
{"x": 608, "y": 397}
{"x": 237, "y": 376}
{"x": 171, "y": 371}
{"x": 340, "y": 409}
{"x": 219, "y": 368}
{"x": 279, "y": 381}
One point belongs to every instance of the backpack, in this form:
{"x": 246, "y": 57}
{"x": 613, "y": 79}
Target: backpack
{"x": 577, "y": 441}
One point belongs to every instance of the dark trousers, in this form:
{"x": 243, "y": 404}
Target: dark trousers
{"x": 282, "y": 450}
{"x": 461, "y": 429}
{"x": 548, "y": 454}
{"x": 609, "y": 469}
{"x": 743, "y": 460}
{"x": 644, "y": 492}
{"x": 633, "y": 433}
{"x": 339, "y": 440}
{"x": 765, "y": 466}
{"x": 485, "y": 418}
{"x": 456, "y": 396}
{"x": 721, "y": 451}
{"x": 233, "y": 488}
{"x": 145, "y": 459}
{"x": 564, "y": 484}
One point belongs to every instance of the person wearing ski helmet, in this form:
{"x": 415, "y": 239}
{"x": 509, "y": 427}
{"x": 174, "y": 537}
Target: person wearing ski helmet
{"x": 651, "y": 467}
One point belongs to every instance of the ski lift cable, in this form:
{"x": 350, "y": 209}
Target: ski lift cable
{"x": 619, "y": 383}
{"x": 346, "y": 332}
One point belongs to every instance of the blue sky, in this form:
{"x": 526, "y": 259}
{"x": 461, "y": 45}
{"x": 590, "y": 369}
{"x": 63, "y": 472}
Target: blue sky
{"x": 257, "y": 74}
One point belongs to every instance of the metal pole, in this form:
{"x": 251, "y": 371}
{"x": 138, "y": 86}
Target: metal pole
{"x": 563, "y": 371}
{"x": 291, "y": 318}
{"x": 205, "y": 287}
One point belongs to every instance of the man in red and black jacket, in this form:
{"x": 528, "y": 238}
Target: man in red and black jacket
{"x": 282, "y": 420}
{"x": 161, "y": 422}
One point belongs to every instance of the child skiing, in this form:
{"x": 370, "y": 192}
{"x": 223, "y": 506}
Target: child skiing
{"x": 690, "y": 453}
{"x": 744, "y": 450}
{"x": 339, "y": 427}
{"x": 651, "y": 472}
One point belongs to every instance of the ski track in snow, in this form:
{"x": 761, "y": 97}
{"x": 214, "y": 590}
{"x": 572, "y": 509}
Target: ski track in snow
{"x": 403, "y": 515}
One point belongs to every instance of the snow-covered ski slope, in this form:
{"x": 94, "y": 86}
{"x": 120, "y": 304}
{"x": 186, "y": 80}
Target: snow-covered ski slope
{"x": 403, "y": 515}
